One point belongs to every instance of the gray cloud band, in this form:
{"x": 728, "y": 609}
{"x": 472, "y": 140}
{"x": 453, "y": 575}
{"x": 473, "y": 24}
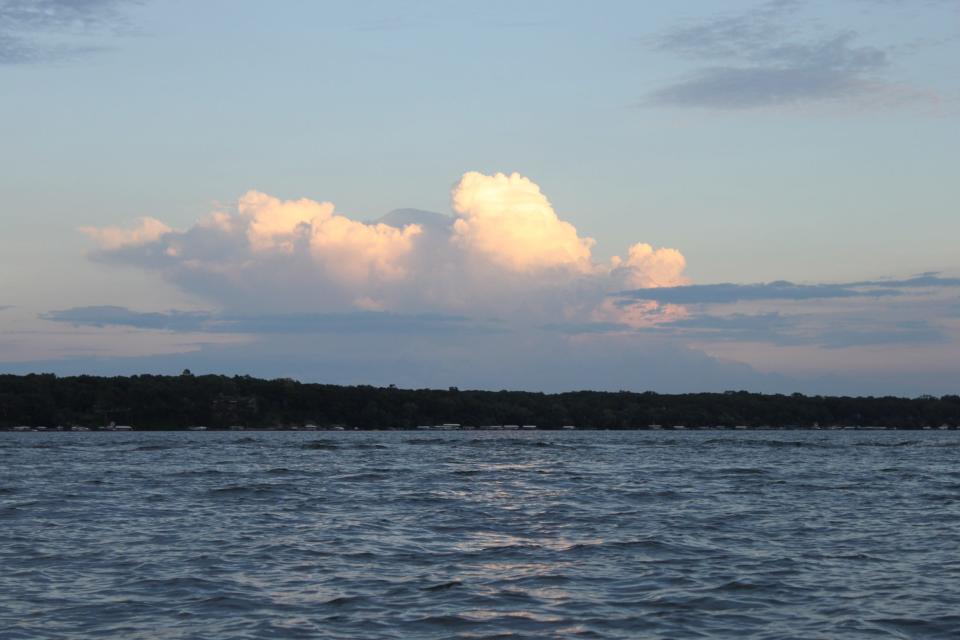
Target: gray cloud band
{"x": 759, "y": 58}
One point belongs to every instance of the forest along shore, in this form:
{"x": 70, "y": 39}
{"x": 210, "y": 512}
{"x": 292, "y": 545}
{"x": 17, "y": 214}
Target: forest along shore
{"x": 215, "y": 402}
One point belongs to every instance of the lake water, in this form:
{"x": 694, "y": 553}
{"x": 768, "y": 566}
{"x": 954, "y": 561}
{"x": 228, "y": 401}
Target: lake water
{"x": 480, "y": 535}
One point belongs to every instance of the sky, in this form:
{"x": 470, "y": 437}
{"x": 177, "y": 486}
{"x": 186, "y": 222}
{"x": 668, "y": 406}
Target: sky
{"x": 542, "y": 195}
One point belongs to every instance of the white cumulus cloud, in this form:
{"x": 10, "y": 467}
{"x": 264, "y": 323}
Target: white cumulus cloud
{"x": 646, "y": 267}
{"x": 147, "y": 230}
{"x": 505, "y": 252}
{"x": 346, "y": 251}
{"x": 510, "y": 222}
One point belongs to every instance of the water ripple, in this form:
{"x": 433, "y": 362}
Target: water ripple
{"x": 480, "y": 535}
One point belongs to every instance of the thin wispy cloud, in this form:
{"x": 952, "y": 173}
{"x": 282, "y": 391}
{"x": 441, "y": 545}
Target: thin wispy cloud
{"x": 825, "y": 330}
{"x": 270, "y": 323}
{"x": 820, "y": 326}
{"x": 728, "y": 292}
{"x": 34, "y": 31}
{"x": 768, "y": 57}
{"x": 928, "y": 279}
{"x": 910, "y": 311}
{"x": 110, "y": 315}
{"x": 866, "y": 313}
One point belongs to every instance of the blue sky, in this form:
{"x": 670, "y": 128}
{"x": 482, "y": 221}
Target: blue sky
{"x": 764, "y": 182}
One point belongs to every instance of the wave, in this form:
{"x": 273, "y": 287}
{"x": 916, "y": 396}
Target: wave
{"x": 902, "y": 443}
{"x": 200, "y": 473}
{"x": 743, "y": 471}
{"x": 245, "y": 489}
{"x": 430, "y": 441}
{"x": 363, "y": 476}
{"x": 773, "y": 444}
{"x": 443, "y": 586}
{"x": 320, "y": 445}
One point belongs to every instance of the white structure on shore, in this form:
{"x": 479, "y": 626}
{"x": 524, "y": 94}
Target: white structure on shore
{"x": 117, "y": 427}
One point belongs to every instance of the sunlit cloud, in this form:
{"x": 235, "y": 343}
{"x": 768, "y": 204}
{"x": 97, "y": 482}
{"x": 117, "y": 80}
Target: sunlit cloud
{"x": 646, "y": 267}
{"x": 346, "y": 250}
{"x": 507, "y": 220}
{"x": 148, "y": 230}
{"x": 504, "y": 252}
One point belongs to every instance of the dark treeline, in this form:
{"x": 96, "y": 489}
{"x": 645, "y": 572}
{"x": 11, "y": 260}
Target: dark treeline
{"x": 155, "y": 402}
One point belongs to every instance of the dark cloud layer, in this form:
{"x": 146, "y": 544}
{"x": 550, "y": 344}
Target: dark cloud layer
{"x": 761, "y": 58}
{"x": 31, "y": 31}
{"x": 265, "y": 324}
{"x": 728, "y": 293}
{"x": 911, "y": 320}
{"x": 739, "y": 88}
{"x": 109, "y": 315}
{"x": 907, "y": 311}
{"x": 929, "y": 279}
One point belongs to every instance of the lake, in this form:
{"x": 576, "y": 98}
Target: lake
{"x": 584, "y": 534}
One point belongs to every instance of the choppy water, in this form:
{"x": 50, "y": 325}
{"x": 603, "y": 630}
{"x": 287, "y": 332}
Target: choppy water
{"x": 480, "y": 535}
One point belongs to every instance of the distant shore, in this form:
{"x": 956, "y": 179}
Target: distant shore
{"x": 46, "y": 402}
{"x": 680, "y": 428}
